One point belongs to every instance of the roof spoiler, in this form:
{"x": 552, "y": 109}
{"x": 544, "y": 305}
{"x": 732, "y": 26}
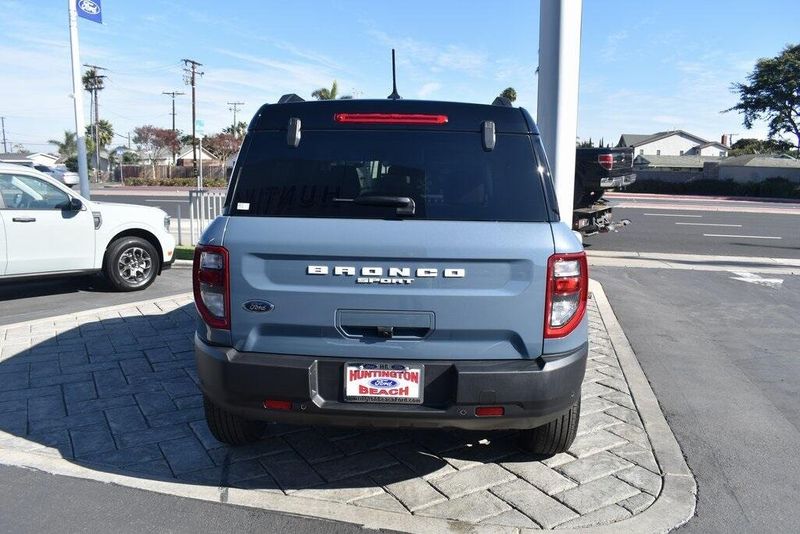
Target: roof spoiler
{"x": 290, "y": 99}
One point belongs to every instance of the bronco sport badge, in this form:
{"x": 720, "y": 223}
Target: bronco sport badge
{"x": 394, "y": 275}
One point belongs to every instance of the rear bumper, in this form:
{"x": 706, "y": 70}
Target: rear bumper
{"x": 533, "y": 392}
{"x": 617, "y": 181}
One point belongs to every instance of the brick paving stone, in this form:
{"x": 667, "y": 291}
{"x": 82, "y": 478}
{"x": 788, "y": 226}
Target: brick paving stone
{"x": 545, "y": 510}
{"x": 419, "y": 460}
{"x": 69, "y": 422}
{"x": 474, "y": 479}
{"x": 263, "y": 448}
{"x": 594, "y": 442}
{"x": 58, "y": 439}
{"x": 125, "y": 457}
{"x": 412, "y": 491}
{"x": 155, "y": 403}
{"x": 191, "y": 401}
{"x": 631, "y": 433}
{"x": 291, "y": 471}
{"x": 350, "y": 466}
{"x": 546, "y": 479}
{"x": 594, "y": 405}
{"x": 18, "y": 394}
{"x": 603, "y": 516}
{"x": 13, "y": 405}
{"x": 471, "y": 508}
{"x": 51, "y": 368}
{"x": 638, "y": 503}
{"x": 135, "y": 366}
{"x": 639, "y": 455}
{"x": 179, "y": 387}
{"x": 18, "y": 380}
{"x": 202, "y": 432}
{"x": 596, "y": 494}
{"x": 613, "y": 372}
{"x": 226, "y": 475}
{"x": 641, "y": 478}
{"x": 51, "y": 406}
{"x": 595, "y": 389}
{"x": 482, "y": 452}
{"x": 511, "y": 518}
{"x": 623, "y": 399}
{"x": 377, "y": 439}
{"x": 595, "y": 466}
{"x": 8, "y": 367}
{"x": 14, "y": 422}
{"x": 91, "y": 440}
{"x": 187, "y": 415}
{"x": 263, "y": 483}
{"x": 558, "y": 459}
{"x": 96, "y": 405}
{"x": 125, "y": 419}
{"x": 79, "y": 391}
{"x": 382, "y": 501}
{"x": 185, "y": 454}
{"x": 596, "y": 421}
{"x": 313, "y": 446}
{"x": 152, "y": 435}
{"x": 343, "y": 491}
{"x": 155, "y": 468}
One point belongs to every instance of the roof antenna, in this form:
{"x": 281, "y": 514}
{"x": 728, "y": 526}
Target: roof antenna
{"x": 394, "y": 95}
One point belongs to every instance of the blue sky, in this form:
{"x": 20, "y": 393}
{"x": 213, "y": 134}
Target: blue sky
{"x": 646, "y": 66}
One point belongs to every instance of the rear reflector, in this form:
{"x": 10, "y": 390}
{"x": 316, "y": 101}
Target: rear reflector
{"x": 272, "y": 404}
{"x": 490, "y": 411}
{"x": 389, "y": 118}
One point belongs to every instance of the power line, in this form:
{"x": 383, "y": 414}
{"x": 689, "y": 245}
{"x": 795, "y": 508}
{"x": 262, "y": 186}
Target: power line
{"x": 3, "y": 122}
{"x": 173, "y": 94}
{"x": 191, "y": 79}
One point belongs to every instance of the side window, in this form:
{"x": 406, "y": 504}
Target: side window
{"x": 28, "y": 193}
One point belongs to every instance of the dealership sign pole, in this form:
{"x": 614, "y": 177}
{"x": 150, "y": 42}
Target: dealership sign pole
{"x": 557, "y": 107}
{"x": 88, "y": 9}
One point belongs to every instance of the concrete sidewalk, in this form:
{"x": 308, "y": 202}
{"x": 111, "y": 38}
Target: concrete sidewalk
{"x": 111, "y": 395}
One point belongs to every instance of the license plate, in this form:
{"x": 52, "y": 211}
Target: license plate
{"x": 383, "y": 383}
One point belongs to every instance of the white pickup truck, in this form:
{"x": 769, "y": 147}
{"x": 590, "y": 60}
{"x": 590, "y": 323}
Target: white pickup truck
{"x": 48, "y": 229}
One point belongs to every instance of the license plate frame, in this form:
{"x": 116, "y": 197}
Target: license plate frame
{"x": 403, "y": 374}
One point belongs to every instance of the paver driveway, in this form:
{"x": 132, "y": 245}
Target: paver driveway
{"x": 115, "y": 390}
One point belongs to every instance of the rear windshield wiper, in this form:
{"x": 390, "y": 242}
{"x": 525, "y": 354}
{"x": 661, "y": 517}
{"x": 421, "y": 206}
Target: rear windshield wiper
{"x": 404, "y": 205}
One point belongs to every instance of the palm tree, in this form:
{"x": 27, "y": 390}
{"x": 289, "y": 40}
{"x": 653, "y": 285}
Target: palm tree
{"x": 68, "y": 147}
{"x": 326, "y": 94}
{"x": 510, "y": 93}
{"x": 105, "y": 132}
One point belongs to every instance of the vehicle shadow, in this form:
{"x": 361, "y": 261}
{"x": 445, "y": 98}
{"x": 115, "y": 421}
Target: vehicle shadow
{"x": 44, "y": 286}
{"x": 118, "y": 393}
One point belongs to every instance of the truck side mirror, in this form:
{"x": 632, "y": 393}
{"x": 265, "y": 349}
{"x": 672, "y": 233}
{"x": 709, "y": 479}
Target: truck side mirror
{"x": 74, "y": 204}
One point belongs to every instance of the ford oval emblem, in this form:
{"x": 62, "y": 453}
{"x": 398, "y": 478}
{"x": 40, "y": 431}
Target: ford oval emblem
{"x": 258, "y": 306}
{"x": 383, "y": 383}
{"x": 89, "y": 7}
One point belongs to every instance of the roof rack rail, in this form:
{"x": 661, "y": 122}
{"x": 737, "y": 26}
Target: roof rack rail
{"x": 502, "y": 101}
{"x": 289, "y": 99}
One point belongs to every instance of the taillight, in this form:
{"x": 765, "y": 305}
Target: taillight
{"x": 211, "y": 283}
{"x": 606, "y": 161}
{"x": 390, "y": 118}
{"x": 567, "y": 291}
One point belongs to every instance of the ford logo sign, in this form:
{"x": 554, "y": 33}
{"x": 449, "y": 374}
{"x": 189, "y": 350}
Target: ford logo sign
{"x": 89, "y": 7}
{"x": 258, "y": 306}
{"x": 383, "y": 383}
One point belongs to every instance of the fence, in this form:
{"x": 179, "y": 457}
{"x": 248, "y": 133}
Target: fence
{"x": 162, "y": 172}
{"x": 204, "y": 206}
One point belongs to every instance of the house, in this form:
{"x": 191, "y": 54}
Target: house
{"x": 758, "y": 167}
{"x": 673, "y": 163}
{"x": 672, "y": 143}
{"x": 185, "y": 155}
{"x": 35, "y": 158}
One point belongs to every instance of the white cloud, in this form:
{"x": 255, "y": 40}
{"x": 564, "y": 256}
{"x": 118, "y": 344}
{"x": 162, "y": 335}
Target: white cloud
{"x": 428, "y": 89}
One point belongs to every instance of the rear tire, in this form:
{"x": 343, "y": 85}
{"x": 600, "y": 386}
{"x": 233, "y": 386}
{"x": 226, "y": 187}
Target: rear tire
{"x": 556, "y": 436}
{"x": 230, "y": 428}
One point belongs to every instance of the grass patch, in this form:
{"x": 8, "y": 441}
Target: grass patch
{"x": 184, "y": 252}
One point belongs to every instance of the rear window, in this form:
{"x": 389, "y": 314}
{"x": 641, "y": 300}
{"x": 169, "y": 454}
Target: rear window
{"x": 447, "y": 174}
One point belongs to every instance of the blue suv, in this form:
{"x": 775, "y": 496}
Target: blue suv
{"x": 392, "y": 263}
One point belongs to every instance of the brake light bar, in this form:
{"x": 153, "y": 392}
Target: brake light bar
{"x": 389, "y": 118}
{"x": 606, "y": 161}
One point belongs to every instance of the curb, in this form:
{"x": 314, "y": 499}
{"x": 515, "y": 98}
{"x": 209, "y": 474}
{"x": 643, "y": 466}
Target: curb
{"x": 694, "y": 262}
{"x": 674, "y": 506}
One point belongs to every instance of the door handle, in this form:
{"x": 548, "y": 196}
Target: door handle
{"x": 24, "y": 219}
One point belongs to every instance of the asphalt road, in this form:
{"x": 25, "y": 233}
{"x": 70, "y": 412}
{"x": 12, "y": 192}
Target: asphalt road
{"x": 42, "y": 503}
{"x": 723, "y": 228}
{"x": 168, "y": 203}
{"x": 722, "y": 358}
{"x": 28, "y": 300}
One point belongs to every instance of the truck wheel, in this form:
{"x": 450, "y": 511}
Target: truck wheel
{"x": 131, "y": 263}
{"x": 554, "y": 437}
{"x": 229, "y": 428}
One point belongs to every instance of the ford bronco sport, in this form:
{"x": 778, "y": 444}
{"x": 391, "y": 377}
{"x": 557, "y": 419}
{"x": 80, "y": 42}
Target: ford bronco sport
{"x": 392, "y": 263}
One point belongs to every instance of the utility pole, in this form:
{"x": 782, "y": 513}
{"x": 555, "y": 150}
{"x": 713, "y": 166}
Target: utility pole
{"x": 234, "y": 106}
{"x": 173, "y": 94}
{"x": 3, "y": 121}
{"x": 96, "y": 85}
{"x": 191, "y": 78}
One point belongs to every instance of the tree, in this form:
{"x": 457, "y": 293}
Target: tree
{"x": 586, "y": 144}
{"x": 239, "y": 130}
{"x": 150, "y": 140}
{"x": 510, "y": 93}
{"x": 223, "y": 145}
{"x": 773, "y": 94}
{"x": 20, "y": 149}
{"x": 324, "y": 93}
{"x": 68, "y": 147}
{"x": 748, "y": 145}
{"x": 105, "y": 132}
